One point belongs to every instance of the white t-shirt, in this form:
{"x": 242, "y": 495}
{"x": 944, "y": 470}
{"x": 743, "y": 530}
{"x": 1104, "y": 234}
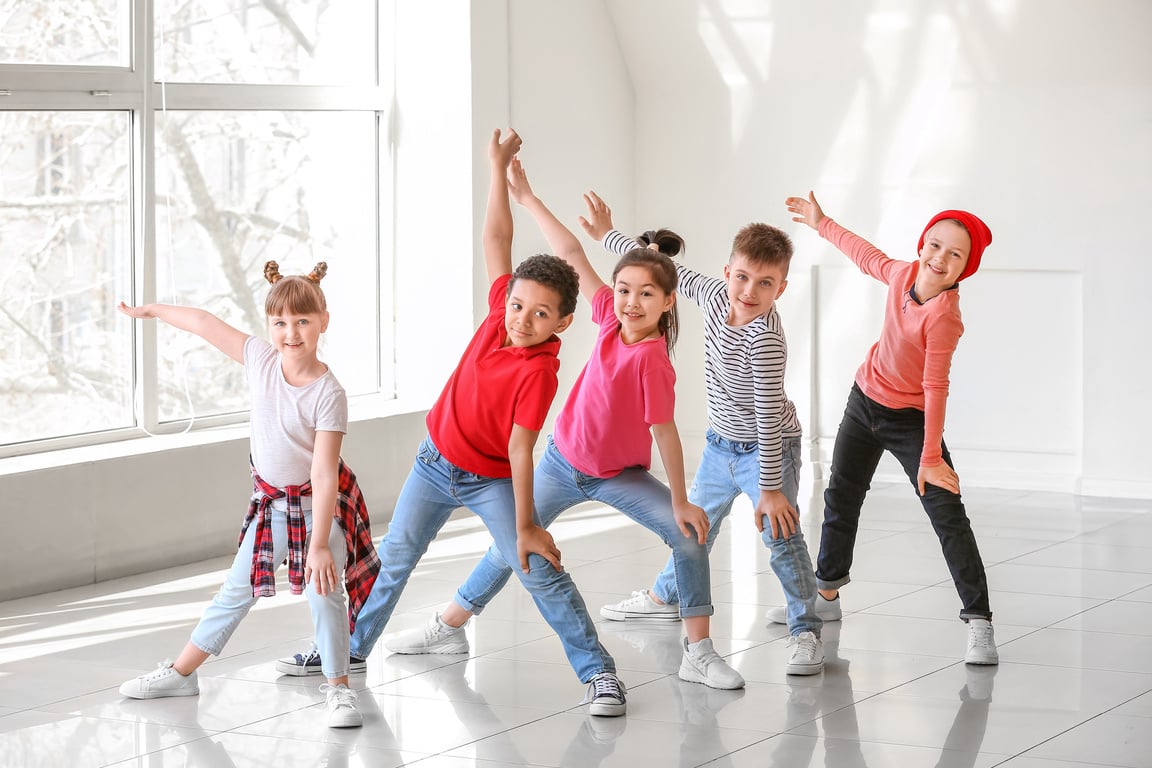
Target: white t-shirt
{"x": 285, "y": 418}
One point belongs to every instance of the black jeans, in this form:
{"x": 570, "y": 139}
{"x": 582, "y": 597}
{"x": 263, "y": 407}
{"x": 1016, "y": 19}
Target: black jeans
{"x": 867, "y": 430}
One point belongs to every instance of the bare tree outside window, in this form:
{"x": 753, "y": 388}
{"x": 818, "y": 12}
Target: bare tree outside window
{"x": 289, "y": 174}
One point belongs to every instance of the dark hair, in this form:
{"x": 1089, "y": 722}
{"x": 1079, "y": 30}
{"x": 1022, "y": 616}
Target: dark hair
{"x": 551, "y": 272}
{"x": 765, "y": 245}
{"x": 663, "y": 273}
{"x": 668, "y": 242}
{"x": 296, "y": 294}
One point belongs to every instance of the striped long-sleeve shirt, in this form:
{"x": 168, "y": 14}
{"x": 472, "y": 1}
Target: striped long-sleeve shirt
{"x": 743, "y": 369}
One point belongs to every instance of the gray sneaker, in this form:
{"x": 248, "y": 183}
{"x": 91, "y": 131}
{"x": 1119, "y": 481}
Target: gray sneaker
{"x": 606, "y": 696}
{"x": 162, "y": 681}
{"x": 304, "y": 664}
{"x": 827, "y": 610}
{"x": 807, "y": 656}
{"x": 706, "y": 666}
{"x": 433, "y": 637}
{"x": 640, "y": 606}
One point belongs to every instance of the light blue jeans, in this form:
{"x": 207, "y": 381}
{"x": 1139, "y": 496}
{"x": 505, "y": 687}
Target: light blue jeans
{"x": 232, "y": 602}
{"x": 727, "y": 469}
{"x": 635, "y": 492}
{"x": 434, "y": 489}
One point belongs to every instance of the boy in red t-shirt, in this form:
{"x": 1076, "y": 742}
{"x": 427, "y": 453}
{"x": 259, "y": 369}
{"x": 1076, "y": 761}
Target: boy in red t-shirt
{"x": 478, "y": 453}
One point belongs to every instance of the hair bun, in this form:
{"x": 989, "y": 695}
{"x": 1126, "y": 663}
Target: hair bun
{"x": 318, "y": 272}
{"x": 272, "y": 272}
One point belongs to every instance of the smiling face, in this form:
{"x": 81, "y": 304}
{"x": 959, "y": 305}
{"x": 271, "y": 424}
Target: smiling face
{"x": 752, "y": 288}
{"x": 639, "y": 303}
{"x": 942, "y": 259}
{"x": 532, "y": 314}
{"x": 297, "y": 336}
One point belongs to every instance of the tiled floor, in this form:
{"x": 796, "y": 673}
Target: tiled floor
{"x": 1071, "y": 583}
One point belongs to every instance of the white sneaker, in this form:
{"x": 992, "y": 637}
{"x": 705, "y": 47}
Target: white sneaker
{"x": 162, "y": 681}
{"x": 640, "y": 606}
{"x": 807, "y": 654}
{"x": 704, "y": 665}
{"x": 981, "y": 643}
{"x": 342, "y": 712}
{"x": 827, "y": 610}
{"x": 606, "y": 696}
{"x": 433, "y": 637}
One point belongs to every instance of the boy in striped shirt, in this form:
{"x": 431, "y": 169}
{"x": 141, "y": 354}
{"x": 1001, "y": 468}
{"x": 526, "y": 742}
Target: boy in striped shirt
{"x": 753, "y": 438}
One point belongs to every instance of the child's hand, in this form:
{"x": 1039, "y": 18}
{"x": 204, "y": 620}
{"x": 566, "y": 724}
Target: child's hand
{"x": 518, "y": 187}
{"x": 783, "y": 519}
{"x": 941, "y": 476}
{"x": 320, "y": 564}
{"x": 599, "y": 221}
{"x": 687, "y": 514}
{"x": 539, "y": 541}
{"x": 140, "y": 313}
{"x": 809, "y": 210}
{"x": 502, "y": 152}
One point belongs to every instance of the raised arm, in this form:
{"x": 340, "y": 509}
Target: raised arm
{"x": 498, "y": 219}
{"x": 560, "y": 239}
{"x": 808, "y": 210}
{"x": 204, "y": 324}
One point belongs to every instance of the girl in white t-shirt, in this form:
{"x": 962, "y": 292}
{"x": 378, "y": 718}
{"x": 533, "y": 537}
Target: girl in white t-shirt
{"x": 299, "y": 414}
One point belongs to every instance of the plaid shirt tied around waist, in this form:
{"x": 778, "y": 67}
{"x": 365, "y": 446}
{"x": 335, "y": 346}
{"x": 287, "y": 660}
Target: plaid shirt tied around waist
{"x": 361, "y": 563}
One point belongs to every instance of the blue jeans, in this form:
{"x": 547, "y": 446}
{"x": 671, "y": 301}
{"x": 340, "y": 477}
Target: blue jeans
{"x": 232, "y": 602}
{"x": 727, "y": 469}
{"x": 635, "y": 492}
{"x": 867, "y": 430}
{"x": 434, "y": 488}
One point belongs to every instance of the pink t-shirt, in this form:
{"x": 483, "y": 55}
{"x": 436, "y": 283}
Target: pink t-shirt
{"x": 908, "y": 367}
{"x": 623, "y": 390}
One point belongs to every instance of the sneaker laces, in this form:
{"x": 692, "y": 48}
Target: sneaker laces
{"x": 604, "y": 684}
{"x": 160, "y": 671}
{"x": 342, "y": 695}
{"x": 804, "y": 642}
{"x": 302, "y": 659}
{"x": 980, "y": 635}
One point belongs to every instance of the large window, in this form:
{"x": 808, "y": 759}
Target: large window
{"x": 166, "y": 158}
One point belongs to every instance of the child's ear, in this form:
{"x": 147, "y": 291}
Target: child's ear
{"x": 783, "y": 285}
{"x": 324, "y": 322}
{"x": 669, "y": 301}
{"x": 564, "y": 323}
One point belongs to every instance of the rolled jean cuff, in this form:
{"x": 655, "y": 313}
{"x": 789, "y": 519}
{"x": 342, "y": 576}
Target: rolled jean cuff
{"x": 833, "y": 584}
{"x": 467, "y": 604}
{"x": 965, "y": 615}
{"x": 691, "y": 612}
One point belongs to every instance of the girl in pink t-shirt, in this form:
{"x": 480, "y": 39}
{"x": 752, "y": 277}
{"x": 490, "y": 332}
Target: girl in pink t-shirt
{"x": 600, "y": 450}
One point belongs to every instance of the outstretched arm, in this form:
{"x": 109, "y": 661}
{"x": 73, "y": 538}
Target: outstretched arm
{"x": 204, "y": 324}
{"x": 498, "y": 219}
{"x": 560, "y": 239}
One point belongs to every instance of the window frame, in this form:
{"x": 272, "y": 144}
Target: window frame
{"x": 133, "y": 89}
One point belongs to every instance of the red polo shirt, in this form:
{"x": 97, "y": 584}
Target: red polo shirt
{"x": 492, "y": 388}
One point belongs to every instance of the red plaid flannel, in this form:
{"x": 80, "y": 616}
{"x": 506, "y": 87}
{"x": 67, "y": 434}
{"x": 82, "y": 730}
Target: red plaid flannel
{"x": 362, "y": 563}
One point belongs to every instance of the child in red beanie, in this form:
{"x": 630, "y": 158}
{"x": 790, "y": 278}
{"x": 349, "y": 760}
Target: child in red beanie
{"x": 897, "y": 404}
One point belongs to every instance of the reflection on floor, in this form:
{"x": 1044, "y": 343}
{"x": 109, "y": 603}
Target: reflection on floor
{"x": 1071, "y": 581}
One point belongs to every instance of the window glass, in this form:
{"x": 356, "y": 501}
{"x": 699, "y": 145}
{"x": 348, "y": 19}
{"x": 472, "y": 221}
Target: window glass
{"x": 91, "y": 33}
{"x": 237, "y": 189}
{"x": 284, "y": 42}
{"x": 66, "y": 360}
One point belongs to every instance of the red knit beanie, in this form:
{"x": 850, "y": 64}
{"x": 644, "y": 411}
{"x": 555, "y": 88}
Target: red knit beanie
{"x": 978, "y": 231}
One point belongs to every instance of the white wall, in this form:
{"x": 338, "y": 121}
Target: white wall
{"x": 1035, "y": 115}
